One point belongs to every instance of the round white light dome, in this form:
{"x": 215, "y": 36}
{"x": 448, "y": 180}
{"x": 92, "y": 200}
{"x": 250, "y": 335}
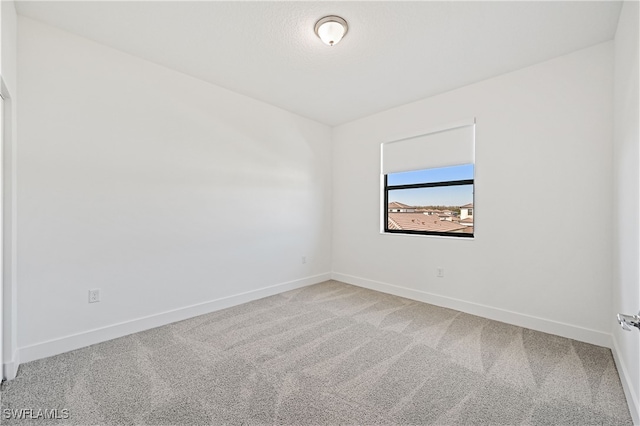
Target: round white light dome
{"x": 331, "y": 29}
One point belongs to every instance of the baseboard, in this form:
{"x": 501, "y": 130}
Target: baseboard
{"x": 90, "y": 337}
{"x": 629, "y": 393}
{"x": 540, "y": 324}
{"x": 10, "y": 369}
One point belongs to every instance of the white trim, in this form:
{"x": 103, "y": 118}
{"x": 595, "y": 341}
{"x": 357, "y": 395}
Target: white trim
{"x": 2, "y": 280}
{"x": 535, "y": 323}
{"x": 10, "y": 369}
{"x": 627, "y": 383}
{"x": 90, "y": 337}
{"x": 9, "y": 284}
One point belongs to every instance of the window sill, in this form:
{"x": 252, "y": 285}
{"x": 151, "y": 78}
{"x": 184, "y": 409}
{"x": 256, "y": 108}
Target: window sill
{"x": 446, "y": 237}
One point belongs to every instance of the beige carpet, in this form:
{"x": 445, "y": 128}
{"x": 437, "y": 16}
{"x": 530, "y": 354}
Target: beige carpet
{"x": 326, "y": 354}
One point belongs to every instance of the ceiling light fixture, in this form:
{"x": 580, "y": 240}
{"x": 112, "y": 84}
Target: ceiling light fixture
{"x": 331, "y": 29}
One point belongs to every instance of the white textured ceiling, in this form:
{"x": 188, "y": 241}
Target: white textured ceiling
{"x": 394, "y": 53}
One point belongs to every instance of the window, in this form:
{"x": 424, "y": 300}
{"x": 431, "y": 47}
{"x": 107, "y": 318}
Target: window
{"x": 428, "y": 183}
{"x": 434, "y": 200}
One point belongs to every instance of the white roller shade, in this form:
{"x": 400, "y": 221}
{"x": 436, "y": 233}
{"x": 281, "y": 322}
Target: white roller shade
{"x": 443, "y": 148}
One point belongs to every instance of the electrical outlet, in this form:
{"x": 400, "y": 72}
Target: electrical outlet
{"x": 304, "y": 259}
{"x": 94, "y": 295}
{"x": 440, "y": 272}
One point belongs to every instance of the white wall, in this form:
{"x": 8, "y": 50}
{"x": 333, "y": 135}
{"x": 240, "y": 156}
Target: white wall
{"x": 626, "y": 283}
{"x": 8, "y": 70}
{"x": 8, "y": 43}
{"x": 543, "y": 152}
{"x": 161, "y": 190}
